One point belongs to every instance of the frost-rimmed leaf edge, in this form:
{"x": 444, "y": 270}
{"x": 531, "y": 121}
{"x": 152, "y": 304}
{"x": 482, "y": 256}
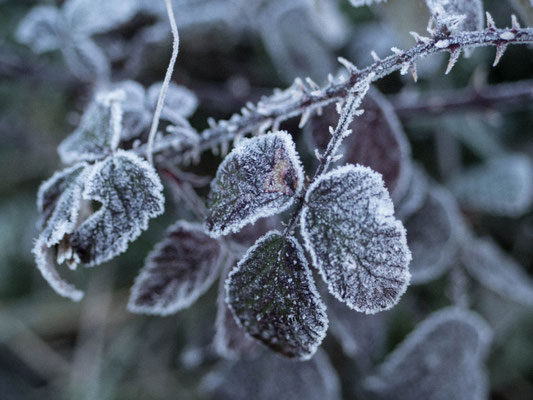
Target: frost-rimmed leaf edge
{"x": 292, "y": 154}
{"x": 310, "y": 248}
{"x": 308, "y": 275}
{"x": 199, "y": 291}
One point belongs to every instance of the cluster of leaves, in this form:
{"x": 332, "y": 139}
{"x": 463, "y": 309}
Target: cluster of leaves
{"x": 366, "y": 253}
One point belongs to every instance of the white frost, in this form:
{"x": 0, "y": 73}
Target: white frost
{"x": 259, "y": 178}
{"x": 348, "y": 220}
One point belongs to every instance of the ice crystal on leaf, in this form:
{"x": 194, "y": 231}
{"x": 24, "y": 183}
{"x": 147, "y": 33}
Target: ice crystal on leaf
{"x": 136, "y": 117}
{"x": 270, "y": 377}
{"x": 259, "y": 178}
{"x": 448, "y": 10}
{"x": 502, "y": 186}
{"x": 98, "y": 133}
{"x": 131, "y": 193}
{"x": 378, "y": 140}
{"x": 272, "y": 294}
{"x": 180, "y": 269}
{"x": 432, "y": 235}
{"x": 494, "y": 269}
{"x": 45, "y": 259}
{"x": 440, "y": 360}
{"x": 59, "y": 201}
{"x": 355, "y": 242}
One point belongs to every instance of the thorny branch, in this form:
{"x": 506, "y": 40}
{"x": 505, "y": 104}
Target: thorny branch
{"x": 306, "y": 99}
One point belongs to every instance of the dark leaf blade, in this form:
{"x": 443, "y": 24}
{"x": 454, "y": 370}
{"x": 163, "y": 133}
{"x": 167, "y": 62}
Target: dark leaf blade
{"x": 489, "y": 265}
{"x": 269, "y": 377}
{"x": 178, "y": 271}
{"x": 358, "y": 246}
{"x": 502, "y": 186}
{"x": 441, "y": 359}
{"x": 98, "y": 133}
{"x": 272, "y": 294}
{"x": 131, "y": 193}
{"x": 378, "y": 141}
{"x": 259, "y": 178}
{"x": 433, "y": 235}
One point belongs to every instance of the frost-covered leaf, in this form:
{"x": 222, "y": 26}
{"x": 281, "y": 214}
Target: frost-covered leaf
{"x": 179, "y": 100}
{"x": 271, "y": 377}
{"x": 130, "y": 192}
{"x": 272, "y": 294}
{"x": 415, "y": 194}
{"x": 43, "y": 29}
{"x": 292, "y": 39}
{"x": 259, "y": 178}
{"x": 355, "y": 242}
{"x": 59, "y": 201}
{"x": 45, "y": 259}
{"x": 361, "y": 336}
{"x": 86, "y": 60}
{"x": 432, "y": 235}
{"x": 494, "y": 269}
{"x": 440, "y": 360}
{"x": 179, "y": 270}
{"x": 136, "y": 117}
{"x": 471, "y": 9}
{"x": 98, "y": 133}
{"x": 502, "y": 186}
{"x": 231, "y": 340}
{"x": 88, "y": 17}
{"x": 359, "y": 3}
{"x": 378, "y": 141}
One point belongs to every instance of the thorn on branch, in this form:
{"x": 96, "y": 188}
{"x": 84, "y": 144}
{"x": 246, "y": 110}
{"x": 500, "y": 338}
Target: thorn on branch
{"x": 514, "y": 23}
{"x": 490, "y": 22}
{"x": 454, "y": 56}
{"x": 413, "y": 72}
{"x": 500, "y": 50}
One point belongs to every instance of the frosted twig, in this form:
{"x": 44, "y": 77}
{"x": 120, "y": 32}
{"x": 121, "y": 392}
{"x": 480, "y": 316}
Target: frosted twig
{"x": 293, "y": 102}
{"x": 166, "y": 82}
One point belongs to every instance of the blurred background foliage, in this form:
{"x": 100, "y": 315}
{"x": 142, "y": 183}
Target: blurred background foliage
{"x": 51, "y": 348}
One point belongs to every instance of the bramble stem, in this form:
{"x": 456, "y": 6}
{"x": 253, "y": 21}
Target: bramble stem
{"x": 298, "y": 99}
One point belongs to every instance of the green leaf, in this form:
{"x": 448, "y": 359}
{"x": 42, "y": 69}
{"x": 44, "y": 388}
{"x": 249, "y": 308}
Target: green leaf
{"x": 273, "y": 296}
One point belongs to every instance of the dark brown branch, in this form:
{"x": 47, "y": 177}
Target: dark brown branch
{"x": 515, "y": 95}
